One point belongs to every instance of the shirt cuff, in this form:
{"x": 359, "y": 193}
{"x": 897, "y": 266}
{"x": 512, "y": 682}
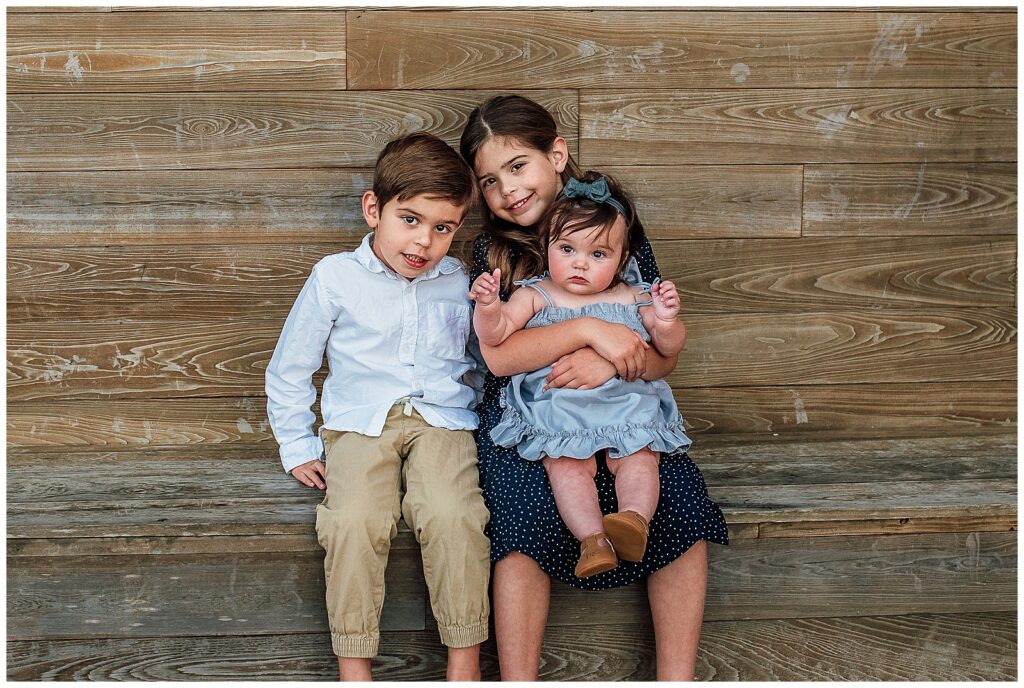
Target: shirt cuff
{"x": 301, "y": 451}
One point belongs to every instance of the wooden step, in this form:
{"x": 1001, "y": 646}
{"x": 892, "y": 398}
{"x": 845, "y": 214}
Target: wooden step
{"x": 957, "y": 647}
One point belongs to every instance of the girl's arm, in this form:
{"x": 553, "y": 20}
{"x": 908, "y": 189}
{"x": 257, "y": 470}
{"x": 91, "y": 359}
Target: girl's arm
{"x": 532, "y": 349}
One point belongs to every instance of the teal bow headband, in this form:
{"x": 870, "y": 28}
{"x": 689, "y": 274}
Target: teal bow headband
{"x": 596, "y": 191}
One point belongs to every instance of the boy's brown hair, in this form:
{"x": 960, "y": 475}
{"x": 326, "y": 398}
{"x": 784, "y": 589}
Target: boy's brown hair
{"x": 421, "y": 164}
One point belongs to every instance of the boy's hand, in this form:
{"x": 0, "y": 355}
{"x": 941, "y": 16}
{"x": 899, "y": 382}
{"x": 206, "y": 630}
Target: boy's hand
{"x": 311, "y": 473}
{"x": 485, "y": 289}
{"x": 666, "y": 301}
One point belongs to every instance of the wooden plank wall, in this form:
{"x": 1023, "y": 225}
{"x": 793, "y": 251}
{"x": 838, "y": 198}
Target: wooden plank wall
{"x": 834, "y": 192}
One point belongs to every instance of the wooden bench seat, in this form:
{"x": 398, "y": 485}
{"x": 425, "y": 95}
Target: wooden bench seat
{"x": 135, "y": 549}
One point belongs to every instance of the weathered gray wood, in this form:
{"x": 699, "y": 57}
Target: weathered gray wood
{"x": 296, "y": 207}
{"x": 899, "y": 200}
{"x": 911, "y": 647}
{"x": 263, "y": 129}
{"x": 788, "y": 413}
{"x": 196, "y": 594}
{"x": 157, "y": 360}
{"x": 175, "y": 51}
{"x": 793, "y": 126}
{"x": 175, "y": 207}
{"x": 857, "y": 576}
{"x": 607, "y": 49}
{"x": 246, "y": 282}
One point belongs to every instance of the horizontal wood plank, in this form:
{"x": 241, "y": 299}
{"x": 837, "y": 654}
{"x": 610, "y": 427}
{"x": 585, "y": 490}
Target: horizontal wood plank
{"x": 788, "y": 126}
{"x": 288, "y": 206}
{"x": 790, "y": 412}
{"x": 859, "y": 576}
{"x": 175, "y": 52}
{"x": 902, "y": 200}
{"x": 197, "y": 594}
{"x": 158, "y": 360}
{"x": 265, "y": 129}
{"x": 607, "y": 48}
{"x": 909, "y": 647}
{"x": 191, "y": 283}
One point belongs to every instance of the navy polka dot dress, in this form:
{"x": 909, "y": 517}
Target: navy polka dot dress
{"x": 524, "y": 517}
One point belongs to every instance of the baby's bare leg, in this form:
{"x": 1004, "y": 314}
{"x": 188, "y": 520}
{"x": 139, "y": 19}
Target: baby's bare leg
{"x": 637, "y": 482}
{"x": 572, "y": 482}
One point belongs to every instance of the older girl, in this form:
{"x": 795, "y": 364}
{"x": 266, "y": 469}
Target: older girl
{"x": 521, "y": 165}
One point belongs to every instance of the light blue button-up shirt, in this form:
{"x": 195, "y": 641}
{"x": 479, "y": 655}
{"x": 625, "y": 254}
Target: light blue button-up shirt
{"x": 387, "y": 338}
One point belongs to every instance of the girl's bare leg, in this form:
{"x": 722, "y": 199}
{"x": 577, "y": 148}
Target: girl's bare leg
{"x": 676, "y": 594}
{"x": 572, "y": 483}
{"x": 521, "y": 592}
{"x": 637, "y": 483}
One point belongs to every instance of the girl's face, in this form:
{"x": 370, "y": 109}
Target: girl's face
{"x": 586, "y": 261}
{"x": 519, "y": 182}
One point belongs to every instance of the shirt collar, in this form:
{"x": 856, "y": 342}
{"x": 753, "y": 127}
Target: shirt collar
{"x": 369, "y": 260}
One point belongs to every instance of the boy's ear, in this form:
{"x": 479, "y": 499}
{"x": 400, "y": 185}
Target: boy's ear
{"x": 559, "y": 154}
{"x": 371, "y": 209}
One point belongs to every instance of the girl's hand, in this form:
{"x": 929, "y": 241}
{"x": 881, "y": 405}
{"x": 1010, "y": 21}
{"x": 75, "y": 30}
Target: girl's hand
{"x": 485, "y": 288}
{"x": 582, "y": 369}
{"x": 621, "y": 346}
{"x": 666, "y": 301}
{"x": 311, "y": 473}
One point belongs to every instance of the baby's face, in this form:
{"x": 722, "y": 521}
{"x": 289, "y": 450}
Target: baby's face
{"x": 413, "y": 235}
{"x": 586, "y": 261}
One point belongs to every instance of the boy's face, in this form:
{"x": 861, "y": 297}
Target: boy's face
{"x": 413, "y": 235}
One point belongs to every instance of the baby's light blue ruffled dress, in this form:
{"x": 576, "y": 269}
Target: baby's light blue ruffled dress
{"x": 620, "y": 416}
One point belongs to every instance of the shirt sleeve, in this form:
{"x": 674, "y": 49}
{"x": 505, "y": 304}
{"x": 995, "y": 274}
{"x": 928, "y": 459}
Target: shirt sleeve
{"x": 289, "y": 383}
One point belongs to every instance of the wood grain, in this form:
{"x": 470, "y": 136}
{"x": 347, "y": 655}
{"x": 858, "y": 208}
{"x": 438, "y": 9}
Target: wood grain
{"x": 290, "y": 206}
{"x": 607, "y": 49}
{"x": 175, "y": 207}
{"x": 909, "y": 647}
{"x": 858, "y": 575}
{"x": 818, "y": 412}
{"x": 780, "y": 126}
{"x": 190, "y": 283}
{"x": 175, "y": 52}
{"x": 264, "y": 129}
{"x": 193, "y": 595}
{"x": 790, "y": 412}
{"x": 169, "y": 360}
{"x": 902, "y": 200}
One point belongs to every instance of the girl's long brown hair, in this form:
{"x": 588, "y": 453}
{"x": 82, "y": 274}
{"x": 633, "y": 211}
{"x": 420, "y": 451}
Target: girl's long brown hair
{"x": 514, "y": 249}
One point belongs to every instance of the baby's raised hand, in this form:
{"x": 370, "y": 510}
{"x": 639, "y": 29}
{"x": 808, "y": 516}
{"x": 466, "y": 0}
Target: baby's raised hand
{"x": 666, "y": 301}
{"x": 485, "y": 288}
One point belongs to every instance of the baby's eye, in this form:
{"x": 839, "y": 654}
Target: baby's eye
{"x": 565, "y": 249}
{"x": 409, "y": 219}
{"x": 599, "y": 254}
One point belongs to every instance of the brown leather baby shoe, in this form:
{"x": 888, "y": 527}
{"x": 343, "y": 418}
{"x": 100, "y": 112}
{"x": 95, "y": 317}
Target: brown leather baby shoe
{"x": 628, "y": 533}
{"x": 594, "y": 557}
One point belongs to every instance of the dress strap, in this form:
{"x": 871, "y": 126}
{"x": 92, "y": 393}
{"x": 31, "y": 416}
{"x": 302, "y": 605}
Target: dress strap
{"x": 532, "y": 283}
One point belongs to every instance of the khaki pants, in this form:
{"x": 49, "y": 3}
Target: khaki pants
{"x": 436, "y": 469}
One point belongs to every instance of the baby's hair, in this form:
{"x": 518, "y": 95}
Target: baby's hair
{"x": 422, "y": 164}
{"x": 569, "y": 215}
{"x": 513, "y": 248}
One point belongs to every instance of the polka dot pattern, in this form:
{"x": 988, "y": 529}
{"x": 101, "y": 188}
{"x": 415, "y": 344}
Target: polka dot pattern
{"x": 524, "y": 517}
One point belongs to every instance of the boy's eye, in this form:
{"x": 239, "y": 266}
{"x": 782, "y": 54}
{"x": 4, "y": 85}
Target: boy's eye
{"x": 442, "y": 229}
{"x": 409, "y": 219}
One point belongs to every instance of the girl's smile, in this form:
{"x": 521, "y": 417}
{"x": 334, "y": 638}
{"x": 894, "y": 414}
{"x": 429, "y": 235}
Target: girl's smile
{"x": 519, "y": 182}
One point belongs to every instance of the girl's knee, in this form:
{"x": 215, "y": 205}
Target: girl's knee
{"x": 644, "y": 457}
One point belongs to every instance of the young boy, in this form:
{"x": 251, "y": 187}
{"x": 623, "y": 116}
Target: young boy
{"x": 397, "y": 438}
